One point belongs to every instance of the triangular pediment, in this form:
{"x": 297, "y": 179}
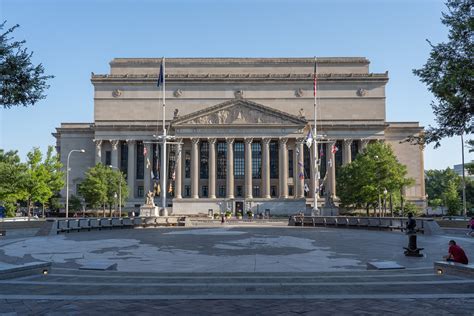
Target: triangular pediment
{"x": 239, "y": 112}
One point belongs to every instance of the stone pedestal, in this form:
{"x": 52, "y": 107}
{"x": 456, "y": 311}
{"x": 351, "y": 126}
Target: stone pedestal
{"x": 149, "y": 211}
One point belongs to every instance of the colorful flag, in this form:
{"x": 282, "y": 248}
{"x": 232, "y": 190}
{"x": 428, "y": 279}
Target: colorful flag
{"x": 145, "y": 151}
{"x": 334, "y": 149}
{"x": 148, "y": 163}
{"x": 301, "y": 176}
{"x": 160, "y": 76}
{"x": 321, "y": 152}
{"x": 309, "y": 139}
{"x": 315, "y": 77}
{"x": 170, "y": 189}
{"x": 306, "y": 189}
{"x": 330, "y": 163}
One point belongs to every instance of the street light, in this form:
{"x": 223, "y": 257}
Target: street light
{"x": 385, "y": 192}
{"x": 67, "y": 177}
{"x": 120, "y": 190}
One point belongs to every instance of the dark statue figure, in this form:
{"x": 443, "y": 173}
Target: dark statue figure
{"x": 412, "y": 250}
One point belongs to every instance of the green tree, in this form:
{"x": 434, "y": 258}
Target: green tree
{"x": 12, "y": 175}
{"x": 75, "y": 203}
{"x": 21, "y": 82}
{"x": 362, "y": 182}
{"x": 442, "y": 187}
{"x": 449, "y": 75}
{"x": 100, "y": 185}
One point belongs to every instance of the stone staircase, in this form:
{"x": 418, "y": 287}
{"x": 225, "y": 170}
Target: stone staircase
{"x": 73, "y": 284}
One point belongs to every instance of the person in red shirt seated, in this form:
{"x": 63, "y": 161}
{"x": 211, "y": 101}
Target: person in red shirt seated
{"x": 456, "y": 254}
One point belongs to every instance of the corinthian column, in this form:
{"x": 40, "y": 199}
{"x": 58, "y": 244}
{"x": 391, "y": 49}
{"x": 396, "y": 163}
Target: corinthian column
{"x": 363, "y": 144}
{"x": 178, "y": 171}
{"x": 300, "y": 169}
{"x": 131, "y": 167}
{"x": 331, "y": 168}
{"x": 346, "y": 151}
{"x": 248, "y": 168}
{"x": 195, "y": 168}
{"x": 230, "y": 168}
{"x": 266, "y": 167}
{"x": 212, "y": 167}
{"x": 283, "y": 168}
{"x": 98, "y": 151}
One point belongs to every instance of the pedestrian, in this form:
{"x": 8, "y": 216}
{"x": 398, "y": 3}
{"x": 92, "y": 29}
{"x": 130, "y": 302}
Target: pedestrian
{"x": 471, "y": 226}
{"x": 456, "y": 254}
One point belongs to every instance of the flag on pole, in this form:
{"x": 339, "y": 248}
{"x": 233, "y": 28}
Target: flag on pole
{"x": 334, "y": 149}
{"x": 306, "y": 189}
{"x": 315, "y": 77}
{"x": 148, "y": 163}
{"x": 161, "y": 75}
{"x": 145, "y": 151}
{"x": 301, "y": 176}
{"x": 309, "y": 139}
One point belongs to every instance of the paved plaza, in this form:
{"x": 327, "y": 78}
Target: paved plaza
{"x": 230, "y": 270}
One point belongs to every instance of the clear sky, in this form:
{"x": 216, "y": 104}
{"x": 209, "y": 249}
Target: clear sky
{"x": 74, "y": 38}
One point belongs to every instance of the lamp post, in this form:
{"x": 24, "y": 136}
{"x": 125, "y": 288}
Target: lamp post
{"x": 67, "y": 177}
{"x": 385, "y": 192}
{"x": 378, "y": 184}
{"x": 120, "y": 190}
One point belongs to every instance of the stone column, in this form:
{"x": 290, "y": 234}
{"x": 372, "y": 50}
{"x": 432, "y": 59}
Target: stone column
{"x": 363, "y": 144}
{"x": 300, "y": 168}
{"x": 131, "y": 167}
{"x": 178, "y": 171}
{"x": 115, "y": 158}
{"x": 98, "y": 151}
{"x": 283, "y": 168}
{"x": 230, "y": 168}
{"x": 248, "y": 168}
{"x": 331, "y": 169}
{"x": 212, "y": 167}
{"x": 147, "y": 169}
{"x": 195, "y": 168}
{"x": 266, "y": 168}
{"x": 346, "y": 151}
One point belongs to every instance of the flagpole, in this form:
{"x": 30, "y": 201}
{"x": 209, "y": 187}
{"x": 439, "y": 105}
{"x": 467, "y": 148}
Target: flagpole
{"x": 163, "y": 149}
{"x": 315, "y": 137}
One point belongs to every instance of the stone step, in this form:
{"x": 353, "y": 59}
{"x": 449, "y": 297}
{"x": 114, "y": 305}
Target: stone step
{"x": 223, "y": 279}
{"x": 216, "y": 290}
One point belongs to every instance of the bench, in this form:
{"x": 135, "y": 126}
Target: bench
{"x": 74, "y": 225}
{"x": 320, "y": 221}
{"x": 330, "y": 221}
{"x": 127, "y": 222}
{"x": 137, "y": 221}
{"x": 342, "y": 221}
{"x": 3, "y": 233}
{"x": 374, "y": 223}
{"x": 363, "y": 222}
{"x": 149, "y": 222}
{"x": 105, "y": 222}
{"x": 116, "y": 222}
{"x": 94, "y": 223}
{"x": 84, "y": 224}
{"x": 63, "y": 226}
{"x": 454, "y": 268}
{"x": 352, "y": 222}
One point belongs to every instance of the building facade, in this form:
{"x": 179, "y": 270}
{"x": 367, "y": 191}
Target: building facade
{"x": 240, "y": 126}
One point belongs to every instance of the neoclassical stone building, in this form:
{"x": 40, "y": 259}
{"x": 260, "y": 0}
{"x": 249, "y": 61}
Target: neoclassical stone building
{"x": 241, "y": 125}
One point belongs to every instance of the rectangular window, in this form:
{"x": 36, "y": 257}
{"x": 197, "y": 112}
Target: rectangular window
{"x": 239, "y": 160}
{"x": 140, "y": 192}
{"x": 204, "y": 191}
{"x": 221, "y": 160}
{"x": 273, "y": 159}
{"x": 187, "y": 164}
{"x": 290, "y": 164}
{"x": 140, "y": 160}
{"x": 290, "y": 190}
{"x": 108, "y": 157}
{"x": 256, "y": 191}
{"x": 256, "y": 160}
{"x": 204, "y": 160}
{"x": 187, "y": 190}
{"x": 239, "y": 191}
{"x": 222, "y": 190}
{"x": 172, "y": 164}
{"x": 124, "y": 157}
{"x": 354, "y": 149}
{"x": 273, "y": 191}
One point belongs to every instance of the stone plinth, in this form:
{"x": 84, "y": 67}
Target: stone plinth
{"x": 149, "y": 210}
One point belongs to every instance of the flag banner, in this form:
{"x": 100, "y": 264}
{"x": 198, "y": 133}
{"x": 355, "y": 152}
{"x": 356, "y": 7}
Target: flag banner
{"x": 157, "y": 189}
{"x": 170, "y": 189}
{"x": 300, "y": 164}
{"x": 321, "y": 152}
{"x": 301, "y": 176}
{"x": 148, "y": 163}
{"x": 315, "y": 78}
{"x": 174, "y": 175}
{"x": 152, "y": 175}
{"x": 145, "y": 151}
{"x": 309, "y": 139}
{"x": 334, "y": 149}
{"x": 330, "y": 163}
{"x": 306, "y": 189}
{"x": 160, "y": 76}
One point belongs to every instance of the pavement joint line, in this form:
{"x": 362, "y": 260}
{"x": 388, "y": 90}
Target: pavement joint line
{"x": 210, "y": 284}
{"x": 239, "y": 277}
{"x": 236, "y": 297}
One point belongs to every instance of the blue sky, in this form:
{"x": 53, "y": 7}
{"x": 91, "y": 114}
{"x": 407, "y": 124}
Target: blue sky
{"x": 74, "y": 38}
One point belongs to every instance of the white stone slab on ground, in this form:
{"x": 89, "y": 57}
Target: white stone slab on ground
{"x": 384, "y": 265}
{"x": 98, "y": 265}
